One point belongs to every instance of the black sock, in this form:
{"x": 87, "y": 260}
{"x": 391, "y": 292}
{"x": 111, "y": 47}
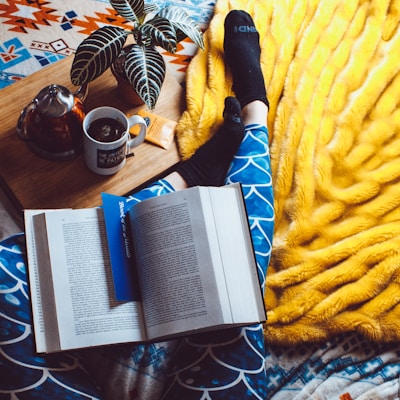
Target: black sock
{"x": 209, "y": 164}
{"x": 242, "y": 55}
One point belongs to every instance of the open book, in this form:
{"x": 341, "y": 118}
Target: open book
{"x": 191, "y": 268}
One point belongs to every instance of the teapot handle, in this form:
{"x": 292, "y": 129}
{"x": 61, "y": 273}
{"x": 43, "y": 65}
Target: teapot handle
{"x": 21, "y": 125}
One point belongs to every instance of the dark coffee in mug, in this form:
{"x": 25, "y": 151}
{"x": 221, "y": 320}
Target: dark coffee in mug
{"x": 106, "y": 129}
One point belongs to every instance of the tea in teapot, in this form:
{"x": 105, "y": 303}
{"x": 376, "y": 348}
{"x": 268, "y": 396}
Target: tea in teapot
{"x": 51, "y": 123}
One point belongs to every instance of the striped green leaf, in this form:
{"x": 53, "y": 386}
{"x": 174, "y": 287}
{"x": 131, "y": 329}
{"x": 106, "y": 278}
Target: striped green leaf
{"x": 96, "y": 53}
{"x": 183, "y": 23}
{"x": 159, "y": 32}
{"x": 131, "y": 10}
{"x": 145, "y": 69}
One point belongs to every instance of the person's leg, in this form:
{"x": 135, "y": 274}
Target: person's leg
{"x": 209, "y": 164}
{"x": 229, "y": 364}
{"x": 242, "y": 56}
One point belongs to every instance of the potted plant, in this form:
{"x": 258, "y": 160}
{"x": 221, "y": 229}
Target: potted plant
{"x": 140, "y": 62}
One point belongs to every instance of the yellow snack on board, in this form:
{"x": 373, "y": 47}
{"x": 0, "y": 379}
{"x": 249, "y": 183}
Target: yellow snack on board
{"x": 160, "y": 130}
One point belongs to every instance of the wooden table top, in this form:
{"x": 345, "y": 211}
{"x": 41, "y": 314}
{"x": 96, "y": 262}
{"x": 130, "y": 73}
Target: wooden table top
{"x": 33, "y": 182}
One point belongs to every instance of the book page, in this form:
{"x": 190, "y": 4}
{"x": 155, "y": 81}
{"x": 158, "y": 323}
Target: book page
{"x": 237, "y": 254}
{"x": 175, "y": 267}
{"x": 41, "y": 286}
{"x": 87, "y": 312}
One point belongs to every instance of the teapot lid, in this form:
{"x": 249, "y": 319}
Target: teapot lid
{"x": 54, "y": 101}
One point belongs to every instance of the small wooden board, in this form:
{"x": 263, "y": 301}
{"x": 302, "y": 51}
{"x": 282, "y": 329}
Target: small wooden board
{"x": 33, "y": 182}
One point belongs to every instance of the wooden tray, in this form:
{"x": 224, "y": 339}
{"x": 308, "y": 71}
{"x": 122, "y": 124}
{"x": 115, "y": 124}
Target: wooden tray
{"x": 33, "y": 182}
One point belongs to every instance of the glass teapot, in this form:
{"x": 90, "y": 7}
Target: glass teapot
{"x": 51, "y": 123}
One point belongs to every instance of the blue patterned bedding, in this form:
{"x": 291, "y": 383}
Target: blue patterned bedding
{"x": 344, "y": 368}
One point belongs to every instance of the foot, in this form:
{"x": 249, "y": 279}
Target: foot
{"x": 242, "y": 55}
{"x": 209, "y": 164}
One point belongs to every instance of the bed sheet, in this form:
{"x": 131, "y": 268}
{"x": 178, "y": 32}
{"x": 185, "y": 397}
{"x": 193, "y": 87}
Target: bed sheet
{"x": 347, "y": 367}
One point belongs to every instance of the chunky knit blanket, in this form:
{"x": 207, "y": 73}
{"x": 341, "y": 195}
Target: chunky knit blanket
{"x": 332, "y": 72}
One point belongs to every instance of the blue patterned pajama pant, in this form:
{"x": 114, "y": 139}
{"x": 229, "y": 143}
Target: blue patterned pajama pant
{"x": 226, "y": 364}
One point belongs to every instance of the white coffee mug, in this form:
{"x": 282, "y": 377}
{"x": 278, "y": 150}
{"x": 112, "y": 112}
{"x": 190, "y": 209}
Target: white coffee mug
{"x": 107, "y": 158}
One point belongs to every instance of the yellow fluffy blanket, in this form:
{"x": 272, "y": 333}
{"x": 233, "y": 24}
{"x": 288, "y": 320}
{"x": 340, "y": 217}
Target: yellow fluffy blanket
{"x": 332, "y": 72}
